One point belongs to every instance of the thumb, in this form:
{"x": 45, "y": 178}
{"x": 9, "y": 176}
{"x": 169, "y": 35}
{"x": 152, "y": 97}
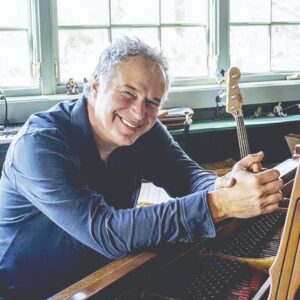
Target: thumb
{"x": 225, "y": 181}
{"x": 246, "y": 162}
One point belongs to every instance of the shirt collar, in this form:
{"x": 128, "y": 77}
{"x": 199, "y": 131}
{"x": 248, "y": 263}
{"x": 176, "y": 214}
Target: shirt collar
{"x": 82, "y": 131}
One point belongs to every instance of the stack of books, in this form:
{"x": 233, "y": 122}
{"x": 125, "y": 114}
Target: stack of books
{"x": 176, "y": 118}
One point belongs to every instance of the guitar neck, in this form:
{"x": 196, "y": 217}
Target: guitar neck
{"x": 242, "y": 136}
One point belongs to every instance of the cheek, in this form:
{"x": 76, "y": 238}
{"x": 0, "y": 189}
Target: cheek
{"x": 152, "y": 116}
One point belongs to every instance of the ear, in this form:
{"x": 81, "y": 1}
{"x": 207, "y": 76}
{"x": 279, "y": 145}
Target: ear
{"x": 95, "y": 86}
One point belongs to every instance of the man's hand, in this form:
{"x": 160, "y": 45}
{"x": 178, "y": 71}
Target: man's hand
{"x": 248, "y": 194}
{"x": 228, "y": 181}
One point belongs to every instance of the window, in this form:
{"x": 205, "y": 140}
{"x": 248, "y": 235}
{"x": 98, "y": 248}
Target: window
{"x": 44, "y": 43}
{"x": 17, "y": 53}
{"x": 265, "y": 35}
{"x": 173, "y": 25}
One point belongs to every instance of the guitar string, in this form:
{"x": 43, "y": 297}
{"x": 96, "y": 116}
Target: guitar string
{"x": 242, "y": 137}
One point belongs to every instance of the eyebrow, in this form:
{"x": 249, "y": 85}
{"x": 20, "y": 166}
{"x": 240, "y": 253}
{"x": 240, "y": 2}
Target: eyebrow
{"x": 134, "y": 89}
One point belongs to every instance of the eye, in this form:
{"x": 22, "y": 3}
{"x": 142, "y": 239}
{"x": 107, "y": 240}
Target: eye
{"x": 152, "y": 103}
{"x": 127, "y": 94}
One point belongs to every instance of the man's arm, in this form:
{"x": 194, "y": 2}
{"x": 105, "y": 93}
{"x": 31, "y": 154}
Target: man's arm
{"x": 163, "y": 162}
{"x": 45, "y": 170}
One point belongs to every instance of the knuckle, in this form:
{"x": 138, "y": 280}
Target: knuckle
{"x": 257, "y": 205}
{"x": 279, "y": 186}
{"x": 253, "y": 180}
{"x": 260, "y": 192}
{"x": 280, "y": 195}
{"x": 274, "y": 173}
{"x": 261, "y": 205}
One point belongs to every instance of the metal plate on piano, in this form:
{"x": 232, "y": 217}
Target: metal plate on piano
{"x": 211, "y": 277}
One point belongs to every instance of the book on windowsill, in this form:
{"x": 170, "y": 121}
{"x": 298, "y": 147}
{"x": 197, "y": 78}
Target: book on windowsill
{"x": 176, "y": 118}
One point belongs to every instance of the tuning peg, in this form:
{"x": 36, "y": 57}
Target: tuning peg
{"x": 222, "y": 94}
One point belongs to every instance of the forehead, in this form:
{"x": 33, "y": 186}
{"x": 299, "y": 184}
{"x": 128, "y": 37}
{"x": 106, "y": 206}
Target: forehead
{"x": 141, "y": 71}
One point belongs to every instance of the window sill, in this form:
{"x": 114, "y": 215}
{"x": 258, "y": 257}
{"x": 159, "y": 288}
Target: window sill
{"x": 229, "y": 124}
{"x": 202, "y": 96}
{"x": 49, "y": 98}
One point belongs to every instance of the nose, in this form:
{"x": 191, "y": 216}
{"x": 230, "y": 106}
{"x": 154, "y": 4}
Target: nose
{"x": 138, "y": 110}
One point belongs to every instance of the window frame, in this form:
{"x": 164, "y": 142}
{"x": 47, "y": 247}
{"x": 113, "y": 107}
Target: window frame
{"x": 34, "y": 53}
{"x": 196, "y": 93}
{"x": 255, "y": 77}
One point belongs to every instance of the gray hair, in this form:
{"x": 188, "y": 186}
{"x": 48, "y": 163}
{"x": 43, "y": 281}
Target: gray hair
{"x": 123, "y": 49}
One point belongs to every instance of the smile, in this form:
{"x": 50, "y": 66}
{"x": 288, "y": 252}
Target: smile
{"x": 127, "y": 123}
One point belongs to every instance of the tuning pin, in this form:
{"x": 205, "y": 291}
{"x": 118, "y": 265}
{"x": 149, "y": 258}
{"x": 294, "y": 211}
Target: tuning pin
{"x": 219, "y": 75}
{"x": 222, "y": 93}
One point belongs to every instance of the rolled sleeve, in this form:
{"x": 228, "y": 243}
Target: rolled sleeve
{"x": 197, "y": 216}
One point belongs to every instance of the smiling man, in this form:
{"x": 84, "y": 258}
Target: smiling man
{"x": 72, "y": 176}
{"x": 126, "y": 107}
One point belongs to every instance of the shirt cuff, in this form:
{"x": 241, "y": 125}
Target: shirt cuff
{"x": 197, "y": 216}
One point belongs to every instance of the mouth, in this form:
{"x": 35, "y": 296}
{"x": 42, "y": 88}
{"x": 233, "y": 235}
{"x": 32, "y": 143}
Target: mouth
{"x": 129, "y": 124}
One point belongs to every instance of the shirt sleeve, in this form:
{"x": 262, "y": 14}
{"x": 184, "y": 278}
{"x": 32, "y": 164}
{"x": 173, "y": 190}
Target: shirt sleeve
{"x": 46, "y": 171}
{"x": 166, "y": 165}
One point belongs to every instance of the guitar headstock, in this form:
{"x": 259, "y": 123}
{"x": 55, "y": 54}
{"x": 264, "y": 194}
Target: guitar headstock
{"x": 234, "y": 99}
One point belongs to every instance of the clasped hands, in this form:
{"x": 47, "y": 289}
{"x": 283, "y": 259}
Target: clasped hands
{"x": 246, "y": 191}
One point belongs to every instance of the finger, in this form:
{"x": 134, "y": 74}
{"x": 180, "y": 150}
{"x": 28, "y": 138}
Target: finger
{"x": 256, "y": 168}
{"x": 246, "y": 162}
{"x": 267, "y": 176}
{"x": 273, "y": 187}
{"x": 272, "y": 199}
{"x": 270, "y": 208}
{"x": 230, "y": 181}
{"x": 225, "y": 181}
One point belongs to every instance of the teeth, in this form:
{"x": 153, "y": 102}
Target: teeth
{"x": 128, "y": 124}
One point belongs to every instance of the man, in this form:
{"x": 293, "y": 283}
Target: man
{"x": 72, "y": 176}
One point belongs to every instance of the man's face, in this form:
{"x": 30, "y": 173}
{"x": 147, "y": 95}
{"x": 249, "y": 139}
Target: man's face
{"x": 127, "y": 105}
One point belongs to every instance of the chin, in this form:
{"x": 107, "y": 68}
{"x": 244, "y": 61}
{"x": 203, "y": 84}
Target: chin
{"x": 126, "y": 141}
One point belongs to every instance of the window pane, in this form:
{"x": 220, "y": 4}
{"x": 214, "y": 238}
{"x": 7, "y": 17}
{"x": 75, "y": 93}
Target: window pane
{"x": 148, "y": 35}
{"x": 14, "y": 13}
{"x": 184, "y": 11}
{"x": 250, "y": 48}
{"x": 186, "y": 49}
{"x": 286, "y": 10}
{"x": 14, "y": 59}
{"x": 286, "y": 48}
{"x": 79, "y": 51}
{"x": 82, "y": 12}
{"x": 250, "y": 11}
{"x": 135, "y": 11}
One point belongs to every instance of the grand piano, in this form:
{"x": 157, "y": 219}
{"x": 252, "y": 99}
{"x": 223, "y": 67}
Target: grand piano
{"x": 234, "y": 265}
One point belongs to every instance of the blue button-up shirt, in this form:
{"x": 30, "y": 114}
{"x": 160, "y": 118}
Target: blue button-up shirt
{"x": 64, "y": 212}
